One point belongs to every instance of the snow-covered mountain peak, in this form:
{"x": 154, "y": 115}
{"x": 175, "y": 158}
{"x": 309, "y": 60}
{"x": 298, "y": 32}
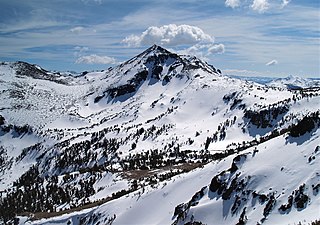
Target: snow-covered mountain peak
{"x": 156, "y": 56}
{"x": 152, "y": 66}
{"x": 156, "y": 49}
{"x": 16, "y": 70}
{"x": 27, "y": 69}
{"x": 294, "y": 82}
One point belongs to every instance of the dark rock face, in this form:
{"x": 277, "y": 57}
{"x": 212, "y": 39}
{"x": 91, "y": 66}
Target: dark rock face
{"x": 26, "y": 69}
{"x": 182, "y": 209}
{"x": 300, "y": 199}
{"x": 261, "y": 197}
{"x": 194, "y": 223}
{"x": 269, "y": 206}
{"x": 197, "y": 196}
{"x": 285, "y": 208}
{"x": 179, "y": 209}
{"x": 131, "y": 87}
{"x": 1, "y": 120}
{"x": 236, "y": 162}
{"x": 215, "y": 184}
{"x": 235, "y": 99}
{"x": 243, "y": 218}
{"x": 265, "y": 117}
{"x": 156, "y": 72}
{"x": 307, "y": 124}
{"x": 98, "y": 98}
{"x": 121, "y": 90}
{"x": 139, "y": 77}
{"x": 159, "y": 60}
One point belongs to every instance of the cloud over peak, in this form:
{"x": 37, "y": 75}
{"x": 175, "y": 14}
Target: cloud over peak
{"x": 169, "y": 35}
{"x": 192, "y": 39}
{"x": 95, "y": 59}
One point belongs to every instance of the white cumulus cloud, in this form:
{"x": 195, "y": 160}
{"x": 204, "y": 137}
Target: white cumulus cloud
{"x": 172, "y": 35}
{"x": 215, "y": 49}
{"x": 99, "y": 2}
{"x": 204, "y": 50}
{"x": 272, "y": 63}
{"x": 77, "y": 29}
{"x": 232, "y": 3}
{"x": 169, "y": 35}
{"x": 260, "y": 5}
{"x": 81, "y": 48}
{"x": 285, "y": 3}
{"x": 95, "y": 59}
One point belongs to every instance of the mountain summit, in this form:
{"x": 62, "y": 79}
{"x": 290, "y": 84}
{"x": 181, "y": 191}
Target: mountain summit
{"x": 160, "y": 127}
{"x": 154, "y": 65}
{"x": 156, "y": 49}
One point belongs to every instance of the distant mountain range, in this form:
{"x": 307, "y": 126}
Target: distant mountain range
{"x": 159, "y": 139}
{"x": 287, "y": 82}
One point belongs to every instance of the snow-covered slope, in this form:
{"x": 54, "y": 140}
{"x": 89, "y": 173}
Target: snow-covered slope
{"x": 30, "y": 95}
{"x": 111, "y": 144}
{"x": 251, "y": 187}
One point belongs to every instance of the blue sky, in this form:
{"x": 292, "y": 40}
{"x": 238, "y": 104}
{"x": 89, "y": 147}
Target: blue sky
{"x": 241, "y": 37}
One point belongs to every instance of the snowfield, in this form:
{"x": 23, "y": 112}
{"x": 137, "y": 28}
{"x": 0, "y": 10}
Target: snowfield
{"x": 159, "y": 139}
{"x": 271, "y": 171}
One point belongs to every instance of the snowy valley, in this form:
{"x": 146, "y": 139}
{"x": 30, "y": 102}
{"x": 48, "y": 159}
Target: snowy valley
{"x": 159, "y": 139}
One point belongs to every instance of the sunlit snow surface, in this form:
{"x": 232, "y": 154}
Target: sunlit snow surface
{"x": 280, "y": 166}
{"x": 191, "y": 102}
